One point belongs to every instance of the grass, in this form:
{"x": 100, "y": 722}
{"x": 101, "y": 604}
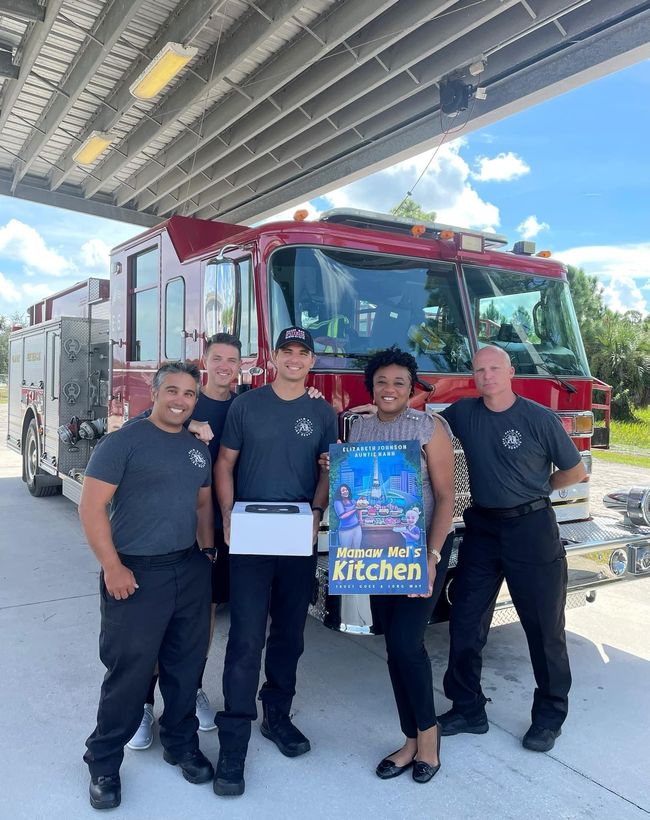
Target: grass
{"x": 4, "y": 394}
{"x": 633, "y": 435}
{"x": 621, "y": 458}
{"x": 629, "y": 441}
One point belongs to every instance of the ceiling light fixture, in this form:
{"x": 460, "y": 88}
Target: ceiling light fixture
{"x": 92, "y": 147}
{"x": 171, "y": 59}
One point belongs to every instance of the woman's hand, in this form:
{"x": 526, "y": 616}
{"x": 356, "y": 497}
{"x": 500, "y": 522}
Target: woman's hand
{"x": 314, "y": 392}
{"x": 431, "y": 566}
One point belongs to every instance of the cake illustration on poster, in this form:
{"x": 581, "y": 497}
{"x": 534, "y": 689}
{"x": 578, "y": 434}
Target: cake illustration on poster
{"x": 377, "y": 541}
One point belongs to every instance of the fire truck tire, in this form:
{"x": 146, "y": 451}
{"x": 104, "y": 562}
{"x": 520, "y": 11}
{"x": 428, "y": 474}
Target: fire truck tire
{"x": 31, "y": 464}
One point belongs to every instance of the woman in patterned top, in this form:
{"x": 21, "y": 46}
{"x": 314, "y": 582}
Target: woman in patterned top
{"x": 390, "y": 379}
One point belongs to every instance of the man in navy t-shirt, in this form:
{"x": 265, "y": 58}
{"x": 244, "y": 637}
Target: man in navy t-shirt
{"x": 154, "y": 583}
{"x": 274, "y": 436}
{"x": 511, "y": 445}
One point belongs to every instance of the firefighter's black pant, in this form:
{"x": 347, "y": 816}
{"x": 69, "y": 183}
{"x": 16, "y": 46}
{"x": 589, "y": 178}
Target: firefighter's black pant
{"x": 166, "y": 619}
{"x": 403, "y": 621}
{"x": 261, "y": 586}
{"x": 528, "y": 553}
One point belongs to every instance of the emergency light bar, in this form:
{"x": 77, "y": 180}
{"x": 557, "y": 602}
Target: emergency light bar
{"x": 470, "y": 240}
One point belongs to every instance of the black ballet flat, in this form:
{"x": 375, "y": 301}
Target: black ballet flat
{"x": 388, "y": 768}
{"x": 423, "y": 772}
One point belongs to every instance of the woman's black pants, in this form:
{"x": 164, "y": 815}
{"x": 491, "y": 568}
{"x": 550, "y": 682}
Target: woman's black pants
{"x": 403, "y": 621}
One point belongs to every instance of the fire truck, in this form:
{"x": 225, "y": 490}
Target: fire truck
{"x": 360, "y": 282}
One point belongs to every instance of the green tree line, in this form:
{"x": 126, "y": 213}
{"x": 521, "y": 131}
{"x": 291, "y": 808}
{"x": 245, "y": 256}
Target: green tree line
{"x": 617, "y": 344}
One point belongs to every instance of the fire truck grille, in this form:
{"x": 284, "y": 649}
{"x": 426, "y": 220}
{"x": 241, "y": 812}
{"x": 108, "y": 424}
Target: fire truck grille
{"x": 461, "y": 482}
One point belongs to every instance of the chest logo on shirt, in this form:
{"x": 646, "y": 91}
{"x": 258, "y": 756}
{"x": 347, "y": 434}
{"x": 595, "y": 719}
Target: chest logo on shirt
{"x": 511, "y": 439}
{"x": 304, "y": 427}
{"x": 197, "y": 458}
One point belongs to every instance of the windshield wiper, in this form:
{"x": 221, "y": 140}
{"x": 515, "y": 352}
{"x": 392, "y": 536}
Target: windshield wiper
{"x": 567, "y": 385}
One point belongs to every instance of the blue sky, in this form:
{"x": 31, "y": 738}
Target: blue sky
{"x": 572, "y": 173}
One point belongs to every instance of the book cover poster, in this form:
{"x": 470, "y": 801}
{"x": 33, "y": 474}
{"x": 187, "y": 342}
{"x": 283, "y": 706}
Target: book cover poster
{"x": 377, "y": 531}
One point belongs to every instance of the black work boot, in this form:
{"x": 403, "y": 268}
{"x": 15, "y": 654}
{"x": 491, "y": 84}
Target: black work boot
{"x": 194, "y": 764}
{"x": 105, "y": 791}
{"x": 277, "y": 726}
{"x": 455, "y": 723}
{"x": 229, "y": 776}
{"x": 540, "y": 738}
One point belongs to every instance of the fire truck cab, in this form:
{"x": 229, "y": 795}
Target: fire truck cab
{"x": 359, "y": 282}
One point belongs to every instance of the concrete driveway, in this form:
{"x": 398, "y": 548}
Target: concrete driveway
{"x": 51, "y": 676}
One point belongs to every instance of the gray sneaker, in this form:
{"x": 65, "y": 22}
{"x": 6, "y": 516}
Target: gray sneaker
{"x": 143, "y": 738}
{"x": 204, "y": 712}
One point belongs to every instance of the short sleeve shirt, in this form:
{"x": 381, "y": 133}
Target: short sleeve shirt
{"x": 510, "y": 453}
{"x": 158, "y": 477}
{"x": 279, "y": 443}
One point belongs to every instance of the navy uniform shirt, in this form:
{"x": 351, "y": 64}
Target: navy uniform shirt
{"x": 158, "y": 477}
{"x": 510, "y": 454}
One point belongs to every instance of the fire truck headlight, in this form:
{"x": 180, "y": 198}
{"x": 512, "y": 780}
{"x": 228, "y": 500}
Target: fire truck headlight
{"x": 618, "y": 562}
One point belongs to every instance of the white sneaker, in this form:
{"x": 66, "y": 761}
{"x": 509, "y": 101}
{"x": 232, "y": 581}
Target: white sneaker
{"x": 143, "y": 738}
{"x": 204, "y": 712}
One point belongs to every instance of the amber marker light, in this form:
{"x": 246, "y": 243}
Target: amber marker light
{"x": 301, "y": 215}
{"x": 544, "y": 254}
{"x": 418, "y": 230}
{"x": 446, "y": 234}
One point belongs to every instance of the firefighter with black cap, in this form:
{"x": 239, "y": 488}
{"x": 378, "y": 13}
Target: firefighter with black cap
{"x": 274, "y": 436}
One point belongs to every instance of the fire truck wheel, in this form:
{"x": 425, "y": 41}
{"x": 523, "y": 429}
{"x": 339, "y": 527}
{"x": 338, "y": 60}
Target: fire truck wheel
{"x": 31, "y": 464}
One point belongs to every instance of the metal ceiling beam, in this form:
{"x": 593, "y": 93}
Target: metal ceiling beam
{"x": 399, "y": 21}
{"x": 29, "y": 53}
{"x": 92, "y": 53}
{"x": 182, "y": 27}
{"x": 297, "y": 149}
{"x": 229, "y": 51}
{"x": 441, "y": 34}
{"x": 70, "y": 199}
{"x": 7, "y": 67}
{"x": 333, "y": 30}
{"x": 23, "y": 10}
{"x": 584, "y": 61}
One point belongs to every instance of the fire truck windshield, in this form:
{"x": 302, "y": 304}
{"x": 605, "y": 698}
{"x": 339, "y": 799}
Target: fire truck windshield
{"x": 531, "y": 317}
{"x": 355, "y": 303}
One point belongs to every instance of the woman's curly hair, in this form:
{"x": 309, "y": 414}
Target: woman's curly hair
{"x": 384, "y": 358}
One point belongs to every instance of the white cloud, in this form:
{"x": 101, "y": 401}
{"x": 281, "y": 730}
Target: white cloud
{"x": 444, "y": 188}
{"x": 23, "y": 243}
{"x": 8, "y": 290}
{"x": 36, "y": 292}
{"x": 95, "y": 256}
{"x": 530, "y": 227}
{"x": 502, "y": 168}
{"x": 624, "y": 271}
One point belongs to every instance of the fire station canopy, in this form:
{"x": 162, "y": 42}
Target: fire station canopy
{"x": 281, "y": 99}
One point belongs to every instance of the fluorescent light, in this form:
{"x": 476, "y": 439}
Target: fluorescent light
{"x": 171, "y": 58}
{"x": 92, "y": 147}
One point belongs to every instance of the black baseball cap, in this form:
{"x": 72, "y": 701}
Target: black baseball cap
{"x": 295, "y": 335}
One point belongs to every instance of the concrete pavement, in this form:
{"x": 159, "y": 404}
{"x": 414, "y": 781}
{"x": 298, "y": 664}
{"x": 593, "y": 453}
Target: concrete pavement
{"x": 51, "y": 676}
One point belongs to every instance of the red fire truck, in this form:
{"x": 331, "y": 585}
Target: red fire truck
{"x": 360, "y": 282}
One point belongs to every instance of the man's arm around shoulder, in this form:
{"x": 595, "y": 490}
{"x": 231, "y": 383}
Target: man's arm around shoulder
{"x": 95, "y": 496}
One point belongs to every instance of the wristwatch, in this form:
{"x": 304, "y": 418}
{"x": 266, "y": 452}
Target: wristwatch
{"x": 436, "y": 555}
{"x": 319, "y": 510}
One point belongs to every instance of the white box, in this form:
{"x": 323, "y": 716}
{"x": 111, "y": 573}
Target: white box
{"x": 271, "y": 528}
